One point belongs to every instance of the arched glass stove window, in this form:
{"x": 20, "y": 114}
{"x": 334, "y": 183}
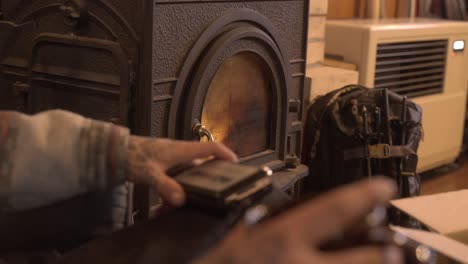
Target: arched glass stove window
{"x": 237, "y": 108}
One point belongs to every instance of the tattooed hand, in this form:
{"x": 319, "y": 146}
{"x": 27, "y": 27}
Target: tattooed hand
{"x": 149, "y": 159}
{"x": 295, "y": 236}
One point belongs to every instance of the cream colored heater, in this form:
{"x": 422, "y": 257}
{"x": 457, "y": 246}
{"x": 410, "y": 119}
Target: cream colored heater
{"x": 423, "y": 59}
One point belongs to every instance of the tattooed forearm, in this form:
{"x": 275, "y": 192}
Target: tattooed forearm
{"x": 139, "y": 159}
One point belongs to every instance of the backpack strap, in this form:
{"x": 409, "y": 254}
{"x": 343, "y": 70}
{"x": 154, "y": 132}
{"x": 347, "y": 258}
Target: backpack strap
{"x": 333, "y": 97}
{"x": 378, "y": 151}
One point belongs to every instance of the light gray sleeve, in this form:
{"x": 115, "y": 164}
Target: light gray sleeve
{"x": 56, "y": 155}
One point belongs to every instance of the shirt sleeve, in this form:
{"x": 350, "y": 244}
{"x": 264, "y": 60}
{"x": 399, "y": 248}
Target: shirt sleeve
{"x": 56, "y": 155}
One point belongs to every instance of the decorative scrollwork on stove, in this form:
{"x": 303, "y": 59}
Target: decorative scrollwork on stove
{"x": 75, "y": 12}
{"x": 92, "y": 18}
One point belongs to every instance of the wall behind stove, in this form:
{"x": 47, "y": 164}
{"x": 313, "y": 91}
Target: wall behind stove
{"x": 323, "y": 78}
{"x": 316, "y": 38}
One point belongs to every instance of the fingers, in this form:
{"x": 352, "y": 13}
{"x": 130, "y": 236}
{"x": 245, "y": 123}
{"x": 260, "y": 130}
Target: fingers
{"x": 168, "y": 188}
{"x": 330, "y": 214}
{"x": 366, "y": 255}
{"x": 188, "y": 151}
{"x": 187, "y": 154}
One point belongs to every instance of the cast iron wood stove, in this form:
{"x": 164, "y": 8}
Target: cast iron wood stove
{"x": 229, "y": 71}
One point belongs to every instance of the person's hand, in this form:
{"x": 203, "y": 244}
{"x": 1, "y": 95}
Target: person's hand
{"x": 149, "y": 160}
{"x": 294, "y": 237}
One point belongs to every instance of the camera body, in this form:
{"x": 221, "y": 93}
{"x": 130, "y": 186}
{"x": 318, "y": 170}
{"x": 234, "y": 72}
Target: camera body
{"x": 220, "y": 184}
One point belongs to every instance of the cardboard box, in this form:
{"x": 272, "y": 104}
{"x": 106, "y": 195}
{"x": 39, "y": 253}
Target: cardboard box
{"x": 447, "y": 215}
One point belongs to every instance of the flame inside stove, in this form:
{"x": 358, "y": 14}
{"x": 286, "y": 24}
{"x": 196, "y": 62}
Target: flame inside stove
{"x": 238, "y": 104}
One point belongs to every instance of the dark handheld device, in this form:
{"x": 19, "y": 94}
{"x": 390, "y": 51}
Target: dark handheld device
{"x": 220, "y": 184}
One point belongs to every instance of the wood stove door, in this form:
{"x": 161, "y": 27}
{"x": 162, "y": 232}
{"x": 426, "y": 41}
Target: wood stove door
{"x": 238, "y": 105}
{"x": 238, "y": 93}
{"x": 84, "y": 75}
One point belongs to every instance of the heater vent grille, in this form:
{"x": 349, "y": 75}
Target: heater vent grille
{"x": 411, "y": 68}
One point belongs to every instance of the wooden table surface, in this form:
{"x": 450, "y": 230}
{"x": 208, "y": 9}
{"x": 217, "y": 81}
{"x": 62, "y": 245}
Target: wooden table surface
{"x": 446, "y": 182}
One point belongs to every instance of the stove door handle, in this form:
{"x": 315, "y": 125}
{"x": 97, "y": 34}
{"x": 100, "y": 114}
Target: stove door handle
{"x": 201, "y": 131}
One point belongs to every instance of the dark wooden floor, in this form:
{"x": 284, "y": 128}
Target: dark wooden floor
{"x": 445, "y": 181}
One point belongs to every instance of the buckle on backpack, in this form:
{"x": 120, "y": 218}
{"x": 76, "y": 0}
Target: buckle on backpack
{"x": 408, "y": 174}
{"x": 379, "y": 151}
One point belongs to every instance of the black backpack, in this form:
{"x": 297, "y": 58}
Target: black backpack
{"x": 356, "y": 132}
